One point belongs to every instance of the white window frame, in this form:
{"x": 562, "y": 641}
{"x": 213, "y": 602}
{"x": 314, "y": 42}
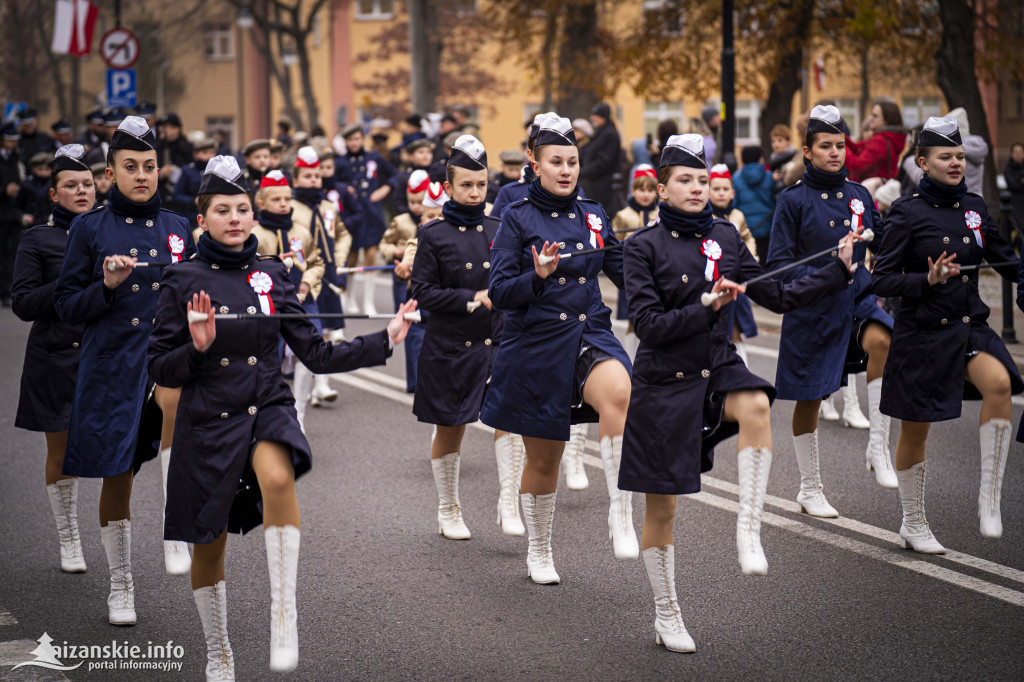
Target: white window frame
{"x": 656, "y": 112}
{"x": 378, "y": 13}
{"x": 922, "y": 108}
{"x": 850, "y": 110}
{"x": 215, "y": 35}
{"x": 749, "y": 110}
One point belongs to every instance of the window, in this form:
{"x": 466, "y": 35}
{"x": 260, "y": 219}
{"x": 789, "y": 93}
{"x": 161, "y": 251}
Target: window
{"x": 916, "y": 110}
{"x": 748, "y": 122}
{"x": 219, "y": 42}
{"x": 666, "y": 14}
{"x": 656, "y": 112}
{"x": 225, "y": 124}
{"x": 850, "y": 109}
{"x": 374, "y": 10}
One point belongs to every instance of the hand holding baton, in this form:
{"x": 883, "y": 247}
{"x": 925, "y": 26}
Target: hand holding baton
{"x": 708, "y": 298}
{"x": 196, "y": 316}
{"x": 113, "y": 266}
{"x": 544, "y": 260}
{"x": 946, "y": 270}
{"x": 364, "y": 268}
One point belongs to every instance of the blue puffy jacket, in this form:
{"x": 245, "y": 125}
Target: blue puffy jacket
{"x": 753, "y": 185}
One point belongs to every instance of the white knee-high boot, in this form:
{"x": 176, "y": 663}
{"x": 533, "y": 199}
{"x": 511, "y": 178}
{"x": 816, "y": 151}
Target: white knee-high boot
{"x": 64, "y": 504}
{"x": 117, "y": 545}
{"x": 754, "y": 465}
{"x": 449, "y": 511}
{"x": 572, "y": 458}
{"x": 915, "y": 531}
{"x": 176, "y": 557}
{"x": 620, "y": 507}
{"x": 878, "y": 456}
{"x": 852, "y": 416}
{"x": 322, "y": 390}
{"x": 212, "y": 604}
{"x": 369, "y": 293}
{"x": 995, "y": 444}
{"x": 508, "y": 450}
{"x": 668, "y": 621}
{"x": 539, "y": 512}
{"x": 827, "y": 410}
{"x": 283, "y": 565}
{"x": 303, "y": 386}
{"x": 351, "y": 307}
{"x": 741, "y": 350}
{"x": 811, "y": 496}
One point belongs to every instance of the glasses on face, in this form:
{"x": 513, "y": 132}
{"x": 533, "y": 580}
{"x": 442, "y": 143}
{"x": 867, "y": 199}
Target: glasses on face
{"x": 75, "y": 186}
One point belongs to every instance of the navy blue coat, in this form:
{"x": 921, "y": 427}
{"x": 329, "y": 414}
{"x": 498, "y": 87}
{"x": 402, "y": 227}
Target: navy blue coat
{"x": 234, "y": 395}
{"x": 531, "y": 389}
{"x": 452, "y": 264}
{"x": 686, "y": 363}
{"x": 517, "y": 190}
{"x": 815, "y": 338}
{"x": 186, "y": 190}
{"x": 937, "y": 326}
{"x": 51, "y": 355}
{"x": 366, "y": 171}
{"x": 112, "y": 377}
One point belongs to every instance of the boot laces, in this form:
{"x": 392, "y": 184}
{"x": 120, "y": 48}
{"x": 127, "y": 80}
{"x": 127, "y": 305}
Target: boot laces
{"x": 675, "y": 614}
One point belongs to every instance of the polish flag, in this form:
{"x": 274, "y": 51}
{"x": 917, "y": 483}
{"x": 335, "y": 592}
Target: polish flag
{"x": 819, "y": 73}
{"x": 73, "y": 27}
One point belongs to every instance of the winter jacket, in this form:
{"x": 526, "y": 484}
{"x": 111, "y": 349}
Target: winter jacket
{"x": 753, "y": 185}
{"x": 876, "y": 157}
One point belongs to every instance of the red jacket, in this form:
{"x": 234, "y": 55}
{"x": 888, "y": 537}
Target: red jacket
{"x": 876, "y": 157}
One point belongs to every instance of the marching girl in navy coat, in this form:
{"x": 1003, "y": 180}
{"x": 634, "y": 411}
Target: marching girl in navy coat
{"x": 559, "y": 362}
{"x": 238, "y": 447}
{"x": 691, "y": 390}
{"x": 943, "y": 351}
{"x": 449, "y": 279}
{"x": 51, "y": 356}
{"x": 117, "y": 307}
{"x": 816, "y": 339}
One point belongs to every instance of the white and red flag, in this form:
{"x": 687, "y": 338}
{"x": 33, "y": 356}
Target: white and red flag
{"x": 73, "y": 27}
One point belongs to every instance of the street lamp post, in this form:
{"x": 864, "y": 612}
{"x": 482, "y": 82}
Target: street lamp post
{"x": 728, "y": 88}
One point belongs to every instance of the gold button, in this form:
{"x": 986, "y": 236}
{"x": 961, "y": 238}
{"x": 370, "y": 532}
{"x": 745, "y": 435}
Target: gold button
{"x": 582, "y": 280}
{"x": 129, "y": 221}
{"x": 462, "y": 228}
{"x": 686, "y": 279}
{"x": 479, "y": 228}
{"x": 244, "y": 267}
{"x": 839, "y": 194}
{"x": 698, "y": 236}
{"x": 75, "y": 344}
{"x": 679, "y": 375}
{"x": 956, "y": 205}
{"x": 133, "y": 252}
{"x": 252, "y": 409}
{"x": 251, "y": 360}
{"x": 155, "y": 286}
{"x": 582, "y": 317}
{"x": 966, "y": 319}
{"x": 835, "y": 253}
{"x": 469, "y": 344}
{"x": 579, "y": 246}
{"x": 469, "y": 266}
{"x": 561, "y": 280}
{"x": 224, "y": 362}
{"x": 152, "y": 253}
{"x": 964, "y": 278}
{"x": 487, "y": 265}
{"x": 945, "y": 240}
{"x": 944, "y": 321}
{"x": 831, "y": 223}
{"x": 967, "y": 240}
{"x": 675, "y": 234}
{"x": 554, "y": 214}
{"x": 251, "y": 310}
{"x": 135, "y": 288}
{"x": 214, "y": 266}
{"x": 154, "y": 320}
{"x": 487, "y": 342}
{"x": 846, "y": 223}
{"x": 561, "y": 245}
{"x": 942, "y": 281}
{"x": 563, "y": 317}
{"x": 149, "y": 223}
{"x": 572, "y": 215}
{"x": 223, "y": 309}
{"x": 135, "y": 322}
{"x": 705, "y": 373}
{"x": 824, "y": 195}
{"x": 223, "y": 415}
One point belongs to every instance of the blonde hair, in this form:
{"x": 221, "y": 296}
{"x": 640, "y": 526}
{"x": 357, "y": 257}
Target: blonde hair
{"x": 695, "y": 125}
{"x": 262, "y": 192}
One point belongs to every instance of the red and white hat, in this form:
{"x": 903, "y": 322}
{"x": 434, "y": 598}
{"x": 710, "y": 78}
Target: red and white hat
{"x": 419, "y": 181}
{"x": 720, "y": 170}
{"x": 275, "y": 178}
{"x": 645, "y": 169}
{"x": 435, "y": 196}
{"x": 307, "y": 158}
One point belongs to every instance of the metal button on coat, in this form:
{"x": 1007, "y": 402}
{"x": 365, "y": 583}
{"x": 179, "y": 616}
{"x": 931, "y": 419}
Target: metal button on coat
{"x": 579, "y": 246}
{"x": 945, "y": 240}
{"x": 679, "y": 375}
{"x": 251, "y": 310}
{"x": 487, "y": 265}
{"x": 133, "y": 252}
{"x": 698, "y": 236}
{"x": 479, "y": 228}
{"x": 214, "y": 266}
{"x": 149, "y": 223}
{"x": 831, "y": 223}
{"x": 846, "y": 223}
{"x": 675, "y": 234}
{"x": 223, "y": 309}
{"x": 469, "y": 344}
{"x": 554, "y": 214}
{"x": 224, "y": 362}
{"x": 839, "y": 194}
{"x": 572, "y": 215}
{"x": 956, "y": 205}
{"x": 967, "y": 240}
{"x": 252, "y": 409}
{"x": 152, "y": 253}
{"x": 945, "y": 321}
{"x": 966, "y": 319}
{"x": 135, "y": 288}
{"x": 469, "y": 266}
{"x": 129, "y": 221}
{"x": 835, "y": 253}
{"x": 582, "y": 317}
{"x": 561, "y": 245}
{"x": 964, "y": 278}
{"x": 487, "y": 342}
{"x": 582, "y": 280}
{"x": 252, "y": 360}
{"x": 75, "y": 344}
{"x": 563, "y": 317}
{"x": 824, "y": 195}
{"x": 135, "y": 322}
{"x": 223, "y": 415}
{"x": 705, "y": 373}
{"x": 561, "y": 280}
{"x": 155, "y": 286}
{"x": 462, "y": 228}
{"x": 685, "y": 279}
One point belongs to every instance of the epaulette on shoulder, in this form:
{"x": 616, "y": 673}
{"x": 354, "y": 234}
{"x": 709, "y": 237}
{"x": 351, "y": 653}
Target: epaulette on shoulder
{"x": 654, "y": 222}
{"x": 588, "y": 200}
{"x": 261, "y": 257}
{"x": 432, "y": 223}
{"x": 172, "y": 212}
{"x": 517, "y": 202}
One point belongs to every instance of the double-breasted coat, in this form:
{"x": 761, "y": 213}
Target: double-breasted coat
{"x": 625, "y": 223}
{"x": 815, "y": 338}
{"x": 112, "y": 379}
{"x": 938, "y": 327}
{"x": 686, "y": 364}
{"x": 452, "y": 264}
{"x": 547, "y": 319}
{"x": 51, "y": 356}
{"x": 234, "y": 395}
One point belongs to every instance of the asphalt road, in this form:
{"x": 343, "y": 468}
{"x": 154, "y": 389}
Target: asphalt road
{"x": 382, "y": 596}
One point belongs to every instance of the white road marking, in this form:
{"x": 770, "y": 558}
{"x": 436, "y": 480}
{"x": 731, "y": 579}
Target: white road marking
{"x": 7, "y": 618}
{"x": 366, "y": 379}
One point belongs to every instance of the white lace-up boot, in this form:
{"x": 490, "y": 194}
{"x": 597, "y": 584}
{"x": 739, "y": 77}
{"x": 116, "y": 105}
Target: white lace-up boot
{"x": 212, "y": 604}
{"x": 669, "y": 629}
{"x": 508, "y": 450}
{"x": 449, "y": 511}
{"x": 827, "y": 410}
{"x": 117, "y": 544}
{"x": 572, "y": 458}
{"x": 283, "y": 564}
{"x": 852, "y": 416}
{"x": 995, "y": 444}
{"x": 302, "y": 387}
{"x": 539, "y": 512}
{"x": 620, "y": 506}
{"x": 878, "y": 455}
{"x": 811, "y": 496}
{"x": 64, "y": 504}
{"x": 754, "y": 465}
{"x": 351, "y": 307}
{"x": 915, "y": 531}
{"x": 369, "y": 293}
{"x": 177, "y": 560}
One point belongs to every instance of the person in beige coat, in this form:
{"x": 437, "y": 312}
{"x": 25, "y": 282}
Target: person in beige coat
{"x": 403, "y": 228}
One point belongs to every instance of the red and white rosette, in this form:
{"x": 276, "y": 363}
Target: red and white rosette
{"x": 595, "y": 224}
{"x": 856, "y": 211}
{"x": 262, "y": 284}
{"x": 295, "y": 246}
{"x": 713, "y": 252}
{"x": 974, "y": 224}
{"x": 177, "y": 246}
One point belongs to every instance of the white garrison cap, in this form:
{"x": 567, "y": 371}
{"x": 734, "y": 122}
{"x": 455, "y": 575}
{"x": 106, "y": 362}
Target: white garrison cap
{"x": 684, "y": 150}
{"x": 825, "y": 118}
